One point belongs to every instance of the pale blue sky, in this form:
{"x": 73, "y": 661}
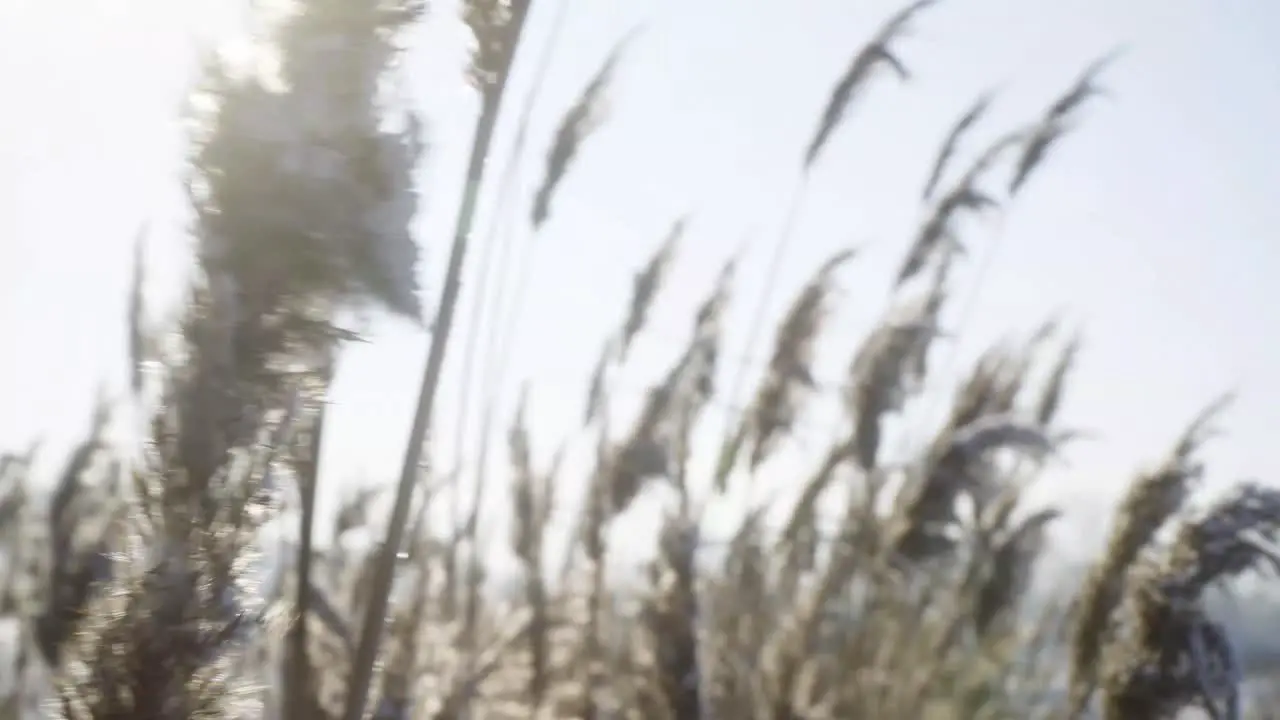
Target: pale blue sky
{"x": 1153, "y": 227}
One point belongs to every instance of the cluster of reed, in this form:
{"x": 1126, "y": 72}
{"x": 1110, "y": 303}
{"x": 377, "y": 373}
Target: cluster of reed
{"x": 146, "y": 598}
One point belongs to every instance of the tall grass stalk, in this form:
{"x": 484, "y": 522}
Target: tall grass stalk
{"x": 499, "y": 29}
{"x": 496, "y": 247}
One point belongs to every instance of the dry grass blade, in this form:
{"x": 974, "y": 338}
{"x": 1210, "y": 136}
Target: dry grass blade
{"x": 165, "y": 632}
{"x": 990, "y": 388}
{"x": 702, "y": 361}
{"x": 532, "y": 507}
{"x": 523, "y": 484}
{"x": 75, "y": 562}
{"x": 1146, "y": 507}
{"x": 876, "y": 54}
{"x": 14, "y": 493}
{"x": 707, "y": 330}
{"x": 1084, "y": 88}
{"x": 672, "y": 617}
{"x": 651, "y": 447}
{"x": 645, "y": 453}
{"x": 1010, "y": 568}
{"x": 790, "y": 373}
{"x": 952, "y": 141}
{"x": 959, "y": 465}
{"x": 532, "y": 503}
{"x": 1169, "y": 654}
{"x": 889, "y": 367}
{"x": 996, "y": 431}
{"x": 1051, "y": 396}
{"x": 1057, "y": 121}
{"x": 798, "y": 536}
{"x": 582, "y": 119}
{"x": 965, "y": 196}
{"x": 136, "y": 322}
{"x": 646, "y": 285}
{"x": 599, "y": 378}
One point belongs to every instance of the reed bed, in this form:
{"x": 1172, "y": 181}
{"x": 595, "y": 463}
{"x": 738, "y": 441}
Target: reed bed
{"x": 892, "y": 588}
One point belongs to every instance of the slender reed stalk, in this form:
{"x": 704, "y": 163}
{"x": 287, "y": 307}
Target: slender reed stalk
{"x": 498, "y": 238}
{"x": 299, "y": 689}
{"x": 384, "y": 570}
